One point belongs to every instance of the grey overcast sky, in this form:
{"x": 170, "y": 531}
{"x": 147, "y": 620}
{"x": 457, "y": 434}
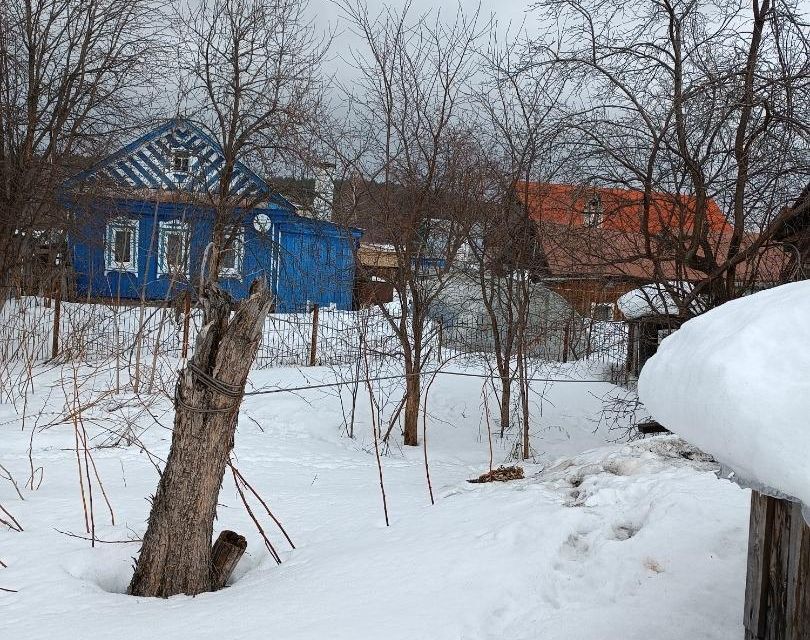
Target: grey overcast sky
{"x": 328, "y": 16}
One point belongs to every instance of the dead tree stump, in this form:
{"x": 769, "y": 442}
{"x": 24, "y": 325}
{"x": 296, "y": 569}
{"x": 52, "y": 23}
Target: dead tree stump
{"x": 176, "y": 551}
{"x": 225, "y": 555}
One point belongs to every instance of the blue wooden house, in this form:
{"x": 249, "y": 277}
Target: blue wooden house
{"x": 142, "y": 220}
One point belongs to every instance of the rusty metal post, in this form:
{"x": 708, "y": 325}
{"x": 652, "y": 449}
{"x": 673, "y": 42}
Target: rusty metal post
{"x": 313, "y": 347}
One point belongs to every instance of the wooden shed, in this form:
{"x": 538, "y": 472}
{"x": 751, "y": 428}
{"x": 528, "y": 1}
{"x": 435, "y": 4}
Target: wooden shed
{"x": 376, "y": 267}
{"x": 651, "y": 315}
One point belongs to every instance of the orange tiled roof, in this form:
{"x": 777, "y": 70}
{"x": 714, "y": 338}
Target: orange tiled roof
{"x": 621, "y": 209}
{"x": 584, "y": 252}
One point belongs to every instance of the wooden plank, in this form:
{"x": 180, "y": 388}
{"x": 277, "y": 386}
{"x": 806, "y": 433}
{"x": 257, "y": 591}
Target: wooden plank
{"x": 798, "y": 579}
{"x": 756, "y": 581}
{"x": 794, "y": 553}
{"x": 313, "y": 346}
{"x": 776, "y": 619}
{"x": 777, "y": 593}
{"x": 57, "y": 319}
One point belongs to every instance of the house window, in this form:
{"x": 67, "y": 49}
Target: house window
{"x": 181, "y": 160}
{"x": 602, "y": 311}
{"x": 230, "y": 259}
{"x": 173, "y": 244}
{"x": 594, "y": 212}
{"x": 121, "y": 248}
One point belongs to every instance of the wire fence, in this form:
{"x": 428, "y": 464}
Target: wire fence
{"x": 36, "y": 329}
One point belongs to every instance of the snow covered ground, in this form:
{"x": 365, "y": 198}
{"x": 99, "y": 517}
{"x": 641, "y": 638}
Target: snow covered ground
{"x": 600, "y": 541}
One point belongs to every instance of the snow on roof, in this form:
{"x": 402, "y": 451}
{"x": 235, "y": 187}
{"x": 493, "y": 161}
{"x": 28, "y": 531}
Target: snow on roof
{"x": 736, "y": 382}
{"x": 652, "y": 300}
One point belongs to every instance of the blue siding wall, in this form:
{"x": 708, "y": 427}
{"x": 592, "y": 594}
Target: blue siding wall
{"x": 304, "y": 261}
{"x": 316, "y": 265}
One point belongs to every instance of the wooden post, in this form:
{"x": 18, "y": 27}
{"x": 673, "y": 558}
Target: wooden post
{"x": 441, "y": 339}
{"x": 566, "y": 341}
{"x": 186, "y": 320}
{"x": 588, "y": 343}
{"x": 225, "y": 554}
{"x": 57, "y": 318}
{"x": 313, "y": 347}
{"x": 630, "y": 366}
{"x": 777, "y": 589}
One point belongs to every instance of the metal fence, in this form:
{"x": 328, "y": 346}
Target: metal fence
{"x": 34, "y": 329}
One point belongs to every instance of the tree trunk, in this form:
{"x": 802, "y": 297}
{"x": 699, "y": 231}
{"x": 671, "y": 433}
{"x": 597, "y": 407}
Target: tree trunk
{"x": 176, "y": 552}
{"x": 506, "y": 402}
{"x": 412, "y": 399}
{"x": 524, "y": 399}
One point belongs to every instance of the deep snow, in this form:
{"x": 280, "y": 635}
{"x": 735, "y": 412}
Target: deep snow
{"x": 600, "y": 541}
{"x": 654, "y": 300}
{"x": 736, "y": 382}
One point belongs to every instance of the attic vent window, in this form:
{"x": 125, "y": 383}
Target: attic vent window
{"x": 181, "y": 161}
{"x": 594, "y": 212}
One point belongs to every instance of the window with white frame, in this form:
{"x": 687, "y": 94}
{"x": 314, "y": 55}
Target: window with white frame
{"x": 232, "y": 256}
{"x": 173, "y": 245}
{"x": 121, "y": 246}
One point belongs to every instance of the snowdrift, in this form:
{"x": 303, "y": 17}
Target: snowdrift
{"x": 655, "y": 300}
{"x": 736, "y": 383}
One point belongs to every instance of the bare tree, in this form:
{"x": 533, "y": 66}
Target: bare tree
{"x": 251, "y": 77}
{"x": 252, "y": 69}
{"x": 691, "y": 106}
{"x": 522, "y": 134}
{"x": 74, "y": 76}
{"x": 407, "y": 156}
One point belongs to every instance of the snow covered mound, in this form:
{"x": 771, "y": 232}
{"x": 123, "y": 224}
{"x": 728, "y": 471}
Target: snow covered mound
{"x": 654, "y": 300}
{"x": 736, "y": 383}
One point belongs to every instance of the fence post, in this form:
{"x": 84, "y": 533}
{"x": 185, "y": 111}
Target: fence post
{"x": 588, "y": 343}
{"x": 776, "y": 591}
{"x": 441, "y": 338}
{"x": 186, "y": 320}
{"x": 57, "y": 317}
{"x": 629, "y": 365}
{"x": 313, "y": 347}
{"x": 566, "y": 341}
